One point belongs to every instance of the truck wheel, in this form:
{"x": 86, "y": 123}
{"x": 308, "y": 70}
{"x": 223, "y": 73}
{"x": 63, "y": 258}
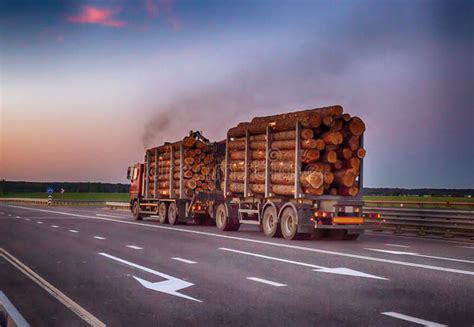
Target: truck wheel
{"x": 172, "y": 214}
{"x": 289, "y": 223}
{"x": 270, "y": 225}
{"x": 162, "y": 213}
{"x": 136, "y": 211}
{"x": 223, "y": 222}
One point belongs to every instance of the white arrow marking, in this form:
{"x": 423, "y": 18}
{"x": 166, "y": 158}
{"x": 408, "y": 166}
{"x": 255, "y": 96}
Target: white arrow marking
{"x": 340, "y": 271}
{"x": 170, "y": 286}
{"x": 413, "y": 319}
{"x": 418, "y": 255}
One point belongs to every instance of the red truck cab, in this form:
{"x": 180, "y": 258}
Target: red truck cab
{"x": 135, "y": 175}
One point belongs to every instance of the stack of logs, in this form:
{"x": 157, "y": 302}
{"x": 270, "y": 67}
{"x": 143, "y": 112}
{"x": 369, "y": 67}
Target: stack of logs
{"x": 198, "y": 168}
{"x": 330, "y": 153}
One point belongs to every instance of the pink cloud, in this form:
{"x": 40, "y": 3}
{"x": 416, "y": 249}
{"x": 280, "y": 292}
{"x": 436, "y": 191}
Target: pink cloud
{"x": 94, "y": 15}
{"x": 152, "y": 8}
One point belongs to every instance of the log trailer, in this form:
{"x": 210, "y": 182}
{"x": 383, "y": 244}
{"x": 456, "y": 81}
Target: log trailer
{"x": 293, "y": 175}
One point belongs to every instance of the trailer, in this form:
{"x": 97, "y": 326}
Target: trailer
{"x": 230, "y": 198}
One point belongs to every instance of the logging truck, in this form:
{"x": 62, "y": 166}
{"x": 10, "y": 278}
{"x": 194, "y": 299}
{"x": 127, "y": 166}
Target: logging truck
{"x": 294, "y": 175}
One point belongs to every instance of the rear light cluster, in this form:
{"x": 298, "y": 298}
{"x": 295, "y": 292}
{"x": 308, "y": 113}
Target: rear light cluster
{"x": 323, "y": 214}
{"x": 198, "y": 207}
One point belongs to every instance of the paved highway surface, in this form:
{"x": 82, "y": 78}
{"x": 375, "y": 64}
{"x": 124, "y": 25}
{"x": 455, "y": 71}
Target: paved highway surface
{"x": 67, "y": 266}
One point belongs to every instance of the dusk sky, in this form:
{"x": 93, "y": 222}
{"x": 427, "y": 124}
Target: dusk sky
{"x": 86, "y": 86}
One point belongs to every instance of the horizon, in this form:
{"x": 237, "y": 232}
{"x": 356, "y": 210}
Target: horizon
{"x": 87, "y": 86}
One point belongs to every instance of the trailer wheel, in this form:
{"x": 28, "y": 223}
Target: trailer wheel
{"x": 223, "y": 221}
{"x": 136, "y": 211}
{"x": 162, "y": 213}
{"x": 289, "y": 223}
{"x": 270, "y": 225}
{"x": 172, "y": 214}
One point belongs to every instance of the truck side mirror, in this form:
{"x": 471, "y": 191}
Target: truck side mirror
{"x": 129, "y": 172}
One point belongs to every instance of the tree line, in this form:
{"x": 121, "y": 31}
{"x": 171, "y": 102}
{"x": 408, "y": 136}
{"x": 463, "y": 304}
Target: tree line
{"x": 70, "y": 187}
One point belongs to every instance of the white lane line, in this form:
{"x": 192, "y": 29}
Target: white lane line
{"x": 184, "y": 260}
{"x": 9, "y": 215}
{"x": 264, "y": 281}
{"x": 250, "y": 240}
{"x": 99, "y": 237}
{"x": 55, "y": 226}
{"x": 418, "y": 255}
{"x": 398, "y": 245}
{"x": 466, "y": 247}
{"x": 2, "y": 213}
{"x": 110, "y": 216}
{"x": 413, "y": 319}
{"x": 27, "y": 219}
{"x": 73, "y": 231}
{"x": 339, "y": 271}
{"x": 17, "y": 217}
{"x": 11, "y": 312}
{"x": 39, "y": 222}
{"x": 170, "y": 286}
{"x": 56, "y": 293}
{"x": 134, "y": 247}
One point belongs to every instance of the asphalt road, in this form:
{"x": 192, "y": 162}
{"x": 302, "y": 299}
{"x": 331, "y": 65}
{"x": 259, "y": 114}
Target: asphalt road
{"x": 107, "y": 268}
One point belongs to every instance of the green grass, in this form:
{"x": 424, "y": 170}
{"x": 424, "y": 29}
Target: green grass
{"x": 71, "y": 196}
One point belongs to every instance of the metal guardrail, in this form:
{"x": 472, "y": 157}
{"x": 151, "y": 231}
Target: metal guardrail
{"x": 118, "y": 205}
{"x": 420, "y": 204}
{"x": 448, "y": 223}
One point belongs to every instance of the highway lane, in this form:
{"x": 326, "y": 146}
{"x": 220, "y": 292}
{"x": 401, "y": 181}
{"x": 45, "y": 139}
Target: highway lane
{"x": 238, "y": 281}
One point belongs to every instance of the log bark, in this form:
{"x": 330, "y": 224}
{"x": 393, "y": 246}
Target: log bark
{"x": 360, "y": 153}
{"x": 330, "y": 156}
{"x": 335, "y": 110}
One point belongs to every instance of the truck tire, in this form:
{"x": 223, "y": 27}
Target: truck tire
{"x": 223, "y": 221}
{"x": 172, "y": 214}
{"x": 136, "y": 211}
{"x": 163, "y": 213}
{"x": 289, "y": 224}
{"x": 270, "y": 225}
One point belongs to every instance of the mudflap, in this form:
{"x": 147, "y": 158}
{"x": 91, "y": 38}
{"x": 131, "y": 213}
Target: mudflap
{"x": 305, "y": 225}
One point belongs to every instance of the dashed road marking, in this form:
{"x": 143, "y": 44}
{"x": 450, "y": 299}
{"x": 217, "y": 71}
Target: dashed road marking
{"x": 134, "y": 247}
{"x": 9, "y": 215}
{"x": 99, "y": 237}
{"x": 17, "y": 217}
{"x": 418, "y": 255}
{"x": 398, "y": 245}
{"x": 39, "y": 222}
{"x": 27, "y": 219}
{"x": 55, "y": 226}
{"x": 73, "y": 231}
{"x": 256, "y": 241}
{"x": 466, "y": 247}
{"x": 184, "y": 260}
{"x": 413, "y": 319}
{"x": 264, "y": 281}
